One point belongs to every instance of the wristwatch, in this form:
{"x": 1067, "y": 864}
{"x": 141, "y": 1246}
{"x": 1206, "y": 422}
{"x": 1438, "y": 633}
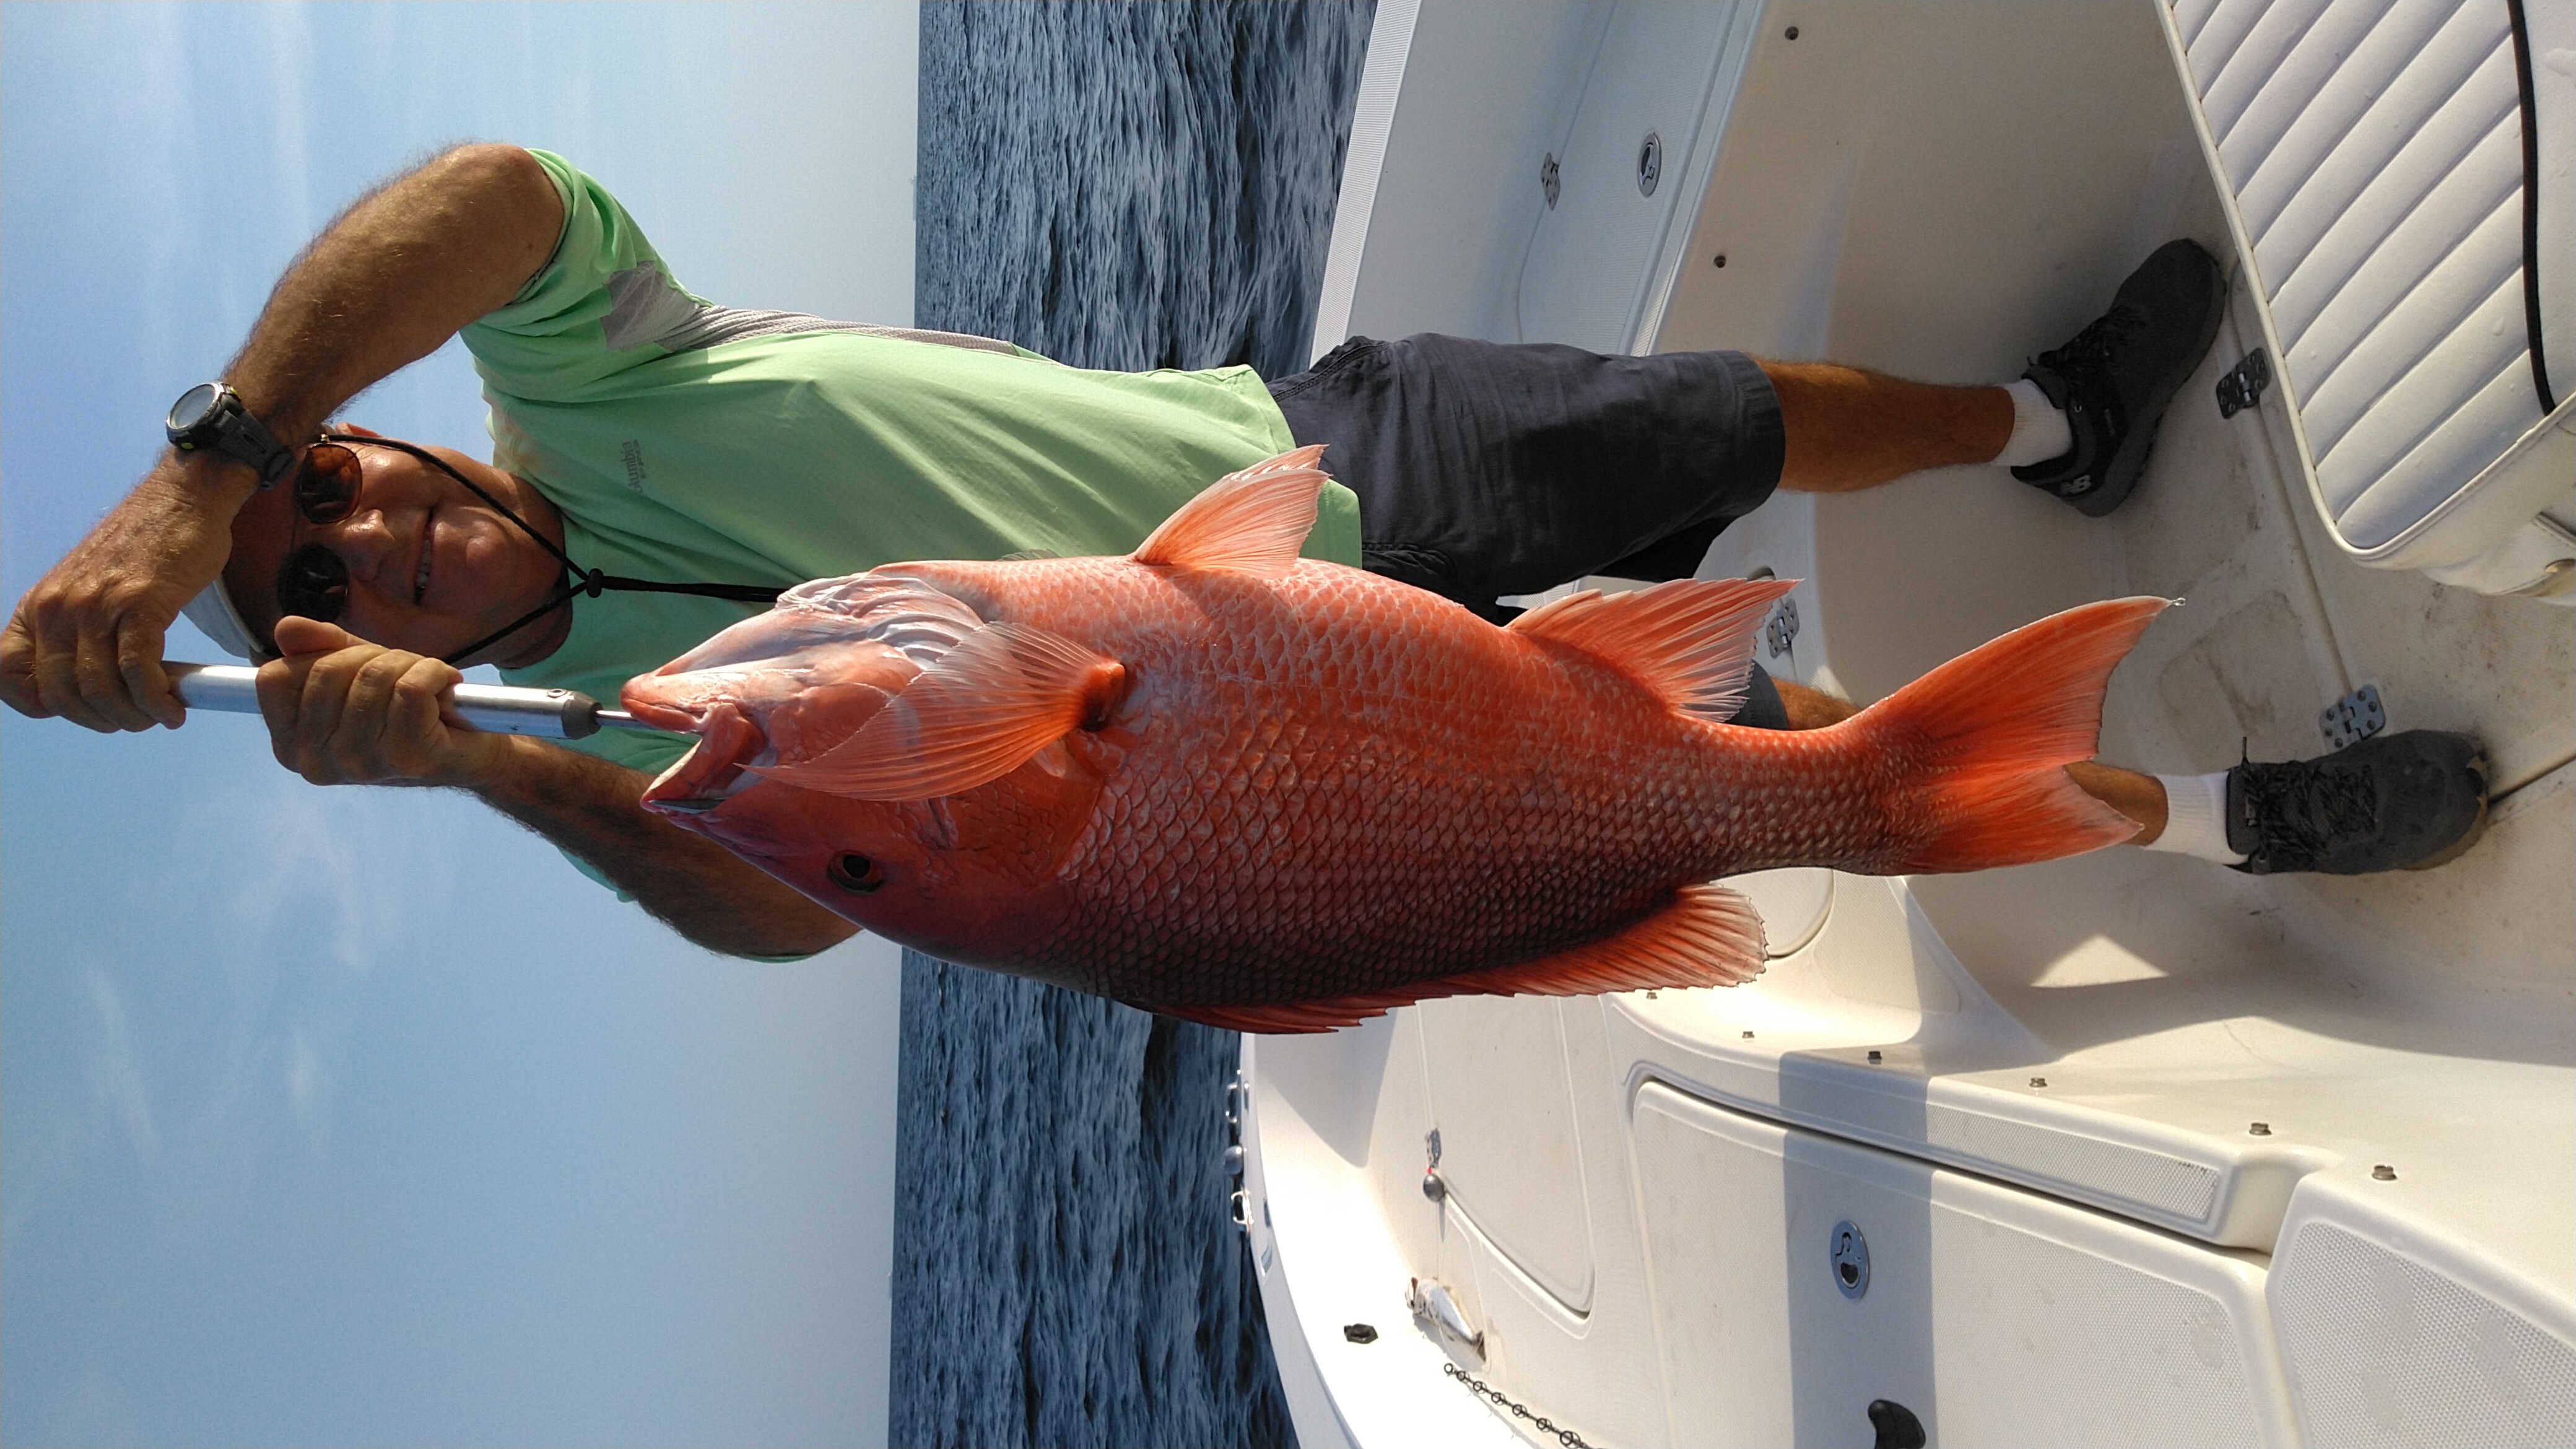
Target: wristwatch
{"x": 211, "y": 415}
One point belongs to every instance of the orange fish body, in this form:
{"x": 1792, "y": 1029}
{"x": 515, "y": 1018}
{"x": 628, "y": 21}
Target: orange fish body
{"x": 1222, "y": 782}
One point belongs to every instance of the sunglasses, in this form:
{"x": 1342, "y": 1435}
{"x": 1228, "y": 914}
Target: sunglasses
{"x": 314, "y": 580}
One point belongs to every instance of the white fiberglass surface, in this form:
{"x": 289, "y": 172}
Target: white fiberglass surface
{"x": 2357, "y": 1018}
{"x": 1506, "y": 1112}
{"x": 1942, "y": 192}
{"x": 1939, "y": 272}
{"x": 1961, "y": 1296}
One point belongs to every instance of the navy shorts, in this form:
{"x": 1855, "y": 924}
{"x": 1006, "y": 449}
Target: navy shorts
{"x": 1487, "y": 468}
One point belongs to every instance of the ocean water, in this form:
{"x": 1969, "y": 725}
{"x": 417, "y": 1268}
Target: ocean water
{"x": 1133, "y": 185}
{"x": 1130, "y": 186}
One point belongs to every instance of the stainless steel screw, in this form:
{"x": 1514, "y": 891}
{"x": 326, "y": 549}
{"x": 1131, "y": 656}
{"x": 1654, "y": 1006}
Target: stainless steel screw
{"x": 2259, "y": 1129}
{"x": 2384, "y": 1173}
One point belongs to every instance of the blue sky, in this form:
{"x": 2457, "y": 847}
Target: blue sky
{"x": 355, "y": 1115}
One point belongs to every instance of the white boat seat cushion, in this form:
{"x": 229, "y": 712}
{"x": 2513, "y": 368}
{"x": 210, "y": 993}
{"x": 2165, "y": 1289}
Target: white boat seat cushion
{"x": 2372, "y": 156}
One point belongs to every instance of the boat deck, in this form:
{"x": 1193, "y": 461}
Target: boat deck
{"x": 2244, "y": 1135}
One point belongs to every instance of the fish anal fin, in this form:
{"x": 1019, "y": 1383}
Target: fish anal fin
{"x": 1250, "y": 521}
{"x": 1690, "y": 640}
{"x": 976, "y": 714}
{"x": 1708, "y": 935}
{"x": 1286, "y": 1018}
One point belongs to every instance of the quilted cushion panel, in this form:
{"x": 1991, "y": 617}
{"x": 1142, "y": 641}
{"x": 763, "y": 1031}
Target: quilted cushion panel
{"x": 2374, "y": 151}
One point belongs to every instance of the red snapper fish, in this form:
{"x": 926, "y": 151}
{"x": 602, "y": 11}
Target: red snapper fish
{"x": 1218, "y": 781}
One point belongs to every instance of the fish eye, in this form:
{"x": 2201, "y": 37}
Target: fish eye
{"x": 854, "y": 872}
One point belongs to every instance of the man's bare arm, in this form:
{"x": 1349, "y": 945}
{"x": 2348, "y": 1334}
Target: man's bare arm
{"x": 398, "y": 274}
{"x": 704, "y": 892}
{"x": 342, "y": 711}
{"x": 382, "y": 287}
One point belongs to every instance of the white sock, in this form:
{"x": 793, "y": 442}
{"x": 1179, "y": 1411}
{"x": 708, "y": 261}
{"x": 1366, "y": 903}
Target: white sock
{"x": 2039, "y": 430}
{"x": 2196, "y": 818}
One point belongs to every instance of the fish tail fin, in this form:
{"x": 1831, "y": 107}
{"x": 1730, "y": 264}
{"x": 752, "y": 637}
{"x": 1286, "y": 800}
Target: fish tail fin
{"x": 1989, "y": 734}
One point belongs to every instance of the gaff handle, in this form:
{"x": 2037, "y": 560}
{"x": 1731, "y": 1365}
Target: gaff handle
{"x": 554, "y": 714}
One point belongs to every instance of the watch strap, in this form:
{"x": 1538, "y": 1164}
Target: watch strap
{"x": 230, "y": 428}
{"x": 249, "y": 439}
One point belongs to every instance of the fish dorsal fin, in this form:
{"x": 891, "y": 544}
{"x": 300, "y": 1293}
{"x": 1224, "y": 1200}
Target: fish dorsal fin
{"x": 1251, "y": 522}
{"x": 1690, "y": 640}
{"x": 1708, "y": 935}
{"x": 1003, "y": 694}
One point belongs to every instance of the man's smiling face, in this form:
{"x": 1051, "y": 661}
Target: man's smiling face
{"x": 431, "y": 567}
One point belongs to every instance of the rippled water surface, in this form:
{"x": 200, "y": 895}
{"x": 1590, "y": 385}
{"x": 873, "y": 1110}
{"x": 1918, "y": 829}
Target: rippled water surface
{"x": 1133, "y": 186}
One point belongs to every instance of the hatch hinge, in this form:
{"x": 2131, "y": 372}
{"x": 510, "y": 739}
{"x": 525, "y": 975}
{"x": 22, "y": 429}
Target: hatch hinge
{"x": 2354, "y": 718}
{"x": 2243, "y": 384}
{"x": 1782, "y": 631}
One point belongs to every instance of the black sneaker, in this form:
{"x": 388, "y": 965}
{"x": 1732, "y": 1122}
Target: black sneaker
{"x": 2114, "y": 378}
{"x": 2408, "y": 801}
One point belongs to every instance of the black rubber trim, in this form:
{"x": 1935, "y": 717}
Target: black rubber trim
{"x": 2530, "y": 208}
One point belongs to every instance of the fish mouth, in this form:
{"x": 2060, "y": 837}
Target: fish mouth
{"x": 683, "y": 797}
{"x": 711, "y": 772}
{"x": 659, "y": 710}
{"x": 749, "y": 831}
{"x": 685, "y": 805}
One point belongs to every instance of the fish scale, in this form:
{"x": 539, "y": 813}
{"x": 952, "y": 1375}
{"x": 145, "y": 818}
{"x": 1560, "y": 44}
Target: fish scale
{"x": 1441, "y": 816}
{"x": 1219, "y": 781}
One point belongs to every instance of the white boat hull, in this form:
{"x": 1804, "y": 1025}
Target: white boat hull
{"x": 2142, "y": 1150}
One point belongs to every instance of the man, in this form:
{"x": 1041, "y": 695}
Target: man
{"x": 662, "y": 465}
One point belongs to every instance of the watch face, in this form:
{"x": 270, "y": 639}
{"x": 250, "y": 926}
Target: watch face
{"x": 194, "y": 409}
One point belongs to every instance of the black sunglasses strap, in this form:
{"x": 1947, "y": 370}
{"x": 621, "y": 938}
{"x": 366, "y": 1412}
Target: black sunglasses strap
{"x": 441, "y": 464}
{"x": 593, "y": 583}
{"x": 458, "y": 657}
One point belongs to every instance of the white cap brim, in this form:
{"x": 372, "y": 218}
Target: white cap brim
{"x": 213, "y": 613}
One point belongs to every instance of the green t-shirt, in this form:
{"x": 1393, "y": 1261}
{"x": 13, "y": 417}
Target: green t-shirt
{"x": 688, "y": 443}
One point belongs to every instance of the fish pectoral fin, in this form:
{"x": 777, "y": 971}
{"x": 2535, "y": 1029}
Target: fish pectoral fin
{"x": 1690, "y": 640}
{"x": 1252, "y": 521}
{"x": 1708, "y": 936}
{"x": 980, "y": 711}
